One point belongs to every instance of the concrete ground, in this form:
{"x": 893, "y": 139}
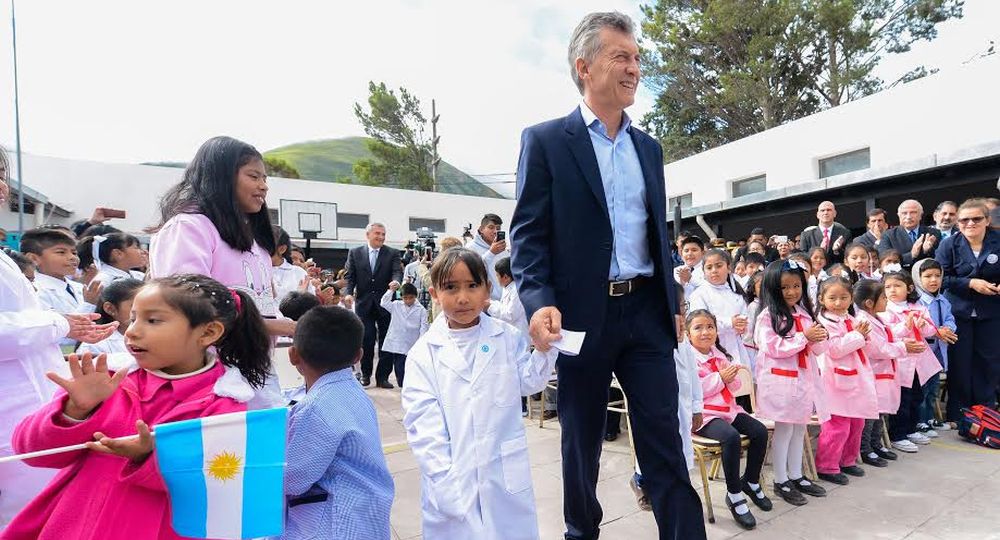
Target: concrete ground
{"x": 948, "y": 491}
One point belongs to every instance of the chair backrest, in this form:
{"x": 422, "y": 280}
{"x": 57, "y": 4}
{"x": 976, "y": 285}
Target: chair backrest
{"x": 746, "y": 383}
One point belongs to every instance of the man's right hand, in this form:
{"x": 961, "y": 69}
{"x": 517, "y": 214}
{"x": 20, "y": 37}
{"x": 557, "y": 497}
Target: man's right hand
{"x": 498, "y": 247}
{"x": 83, "y": 328}
{"x": 544, "y": 327}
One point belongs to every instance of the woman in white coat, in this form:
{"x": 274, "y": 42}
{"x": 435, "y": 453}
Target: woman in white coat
{"x": 462, "y": 414}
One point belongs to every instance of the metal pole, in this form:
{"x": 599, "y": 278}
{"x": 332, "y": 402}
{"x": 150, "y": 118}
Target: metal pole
{"x": 17, "y": 128}
{"x": 434, "y": 144}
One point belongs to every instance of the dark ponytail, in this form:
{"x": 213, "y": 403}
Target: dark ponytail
{"x": 116, "y": 292}
{"x": 244, "y": 344}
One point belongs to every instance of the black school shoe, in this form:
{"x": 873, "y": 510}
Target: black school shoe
{"x": 809, "y": 488}
{"x": 885, "y": 453}
{"x": 853, "y": 470}
{"x": 757, "y": 497}
{"x": 835, "y": 478}
{"x": 874, "y": 460}
{"x": 789, "y": 493}
{"x": 747, "y": 521}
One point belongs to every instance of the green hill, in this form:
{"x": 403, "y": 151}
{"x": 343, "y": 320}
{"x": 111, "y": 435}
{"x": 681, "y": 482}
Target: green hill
{"x": 329, "y": 160}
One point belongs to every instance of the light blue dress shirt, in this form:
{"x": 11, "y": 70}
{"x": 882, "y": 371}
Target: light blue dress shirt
{"x": 625, "y": 192}
{"x": 336, "y": 479}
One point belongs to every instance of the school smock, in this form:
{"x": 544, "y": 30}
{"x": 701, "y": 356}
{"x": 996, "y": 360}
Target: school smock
{"x": 115, "y": 343}
{"x": 925, "y": 364}
{"x": 697, "y": 278}
{"x": 510, "y": 309}
{"x": 108, "y": 274}
{"x": 55, "y": 294}
{"x": 287, "y": 278}
{"x": 408, "y": 323}
{"x": 882, "y": 349}
{"x": 689, "y": 396}
{"x": 723, "y": 302}
{"x": 463, "y": 421}
{"x": 845, "y": 371}
{"x": 788, "y": 385}
{"x": 29, "y": 347}
{"x": 99, "y": 496}
{"x": 190, "y": 244}
{"x": 717, "y": 397}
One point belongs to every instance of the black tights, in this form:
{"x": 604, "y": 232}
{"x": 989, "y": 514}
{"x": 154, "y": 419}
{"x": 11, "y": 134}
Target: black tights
{"x": 729, "y": 436}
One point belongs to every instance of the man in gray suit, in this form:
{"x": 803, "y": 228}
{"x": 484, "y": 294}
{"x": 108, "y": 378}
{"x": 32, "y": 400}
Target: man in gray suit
{"x": 877, "y": 226}
{"x": 912, "y": 240}
{"x": 828, "y": 234}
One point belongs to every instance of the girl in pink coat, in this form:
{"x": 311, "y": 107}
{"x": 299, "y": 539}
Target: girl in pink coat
{"x": 848, "y": 382}
{"x": 725, "y": 420}
{"x": 788, "y": 389}
{"x": 199, "y": 349}
{"x": 909, "y": 319}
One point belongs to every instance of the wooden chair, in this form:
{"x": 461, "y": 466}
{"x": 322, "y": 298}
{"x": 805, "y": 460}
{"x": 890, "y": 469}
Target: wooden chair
{"x": 621, "y": 406}
{"x": 708, "y": 452}
{"x": 808, "y": 459}
{"x": 553, "y": 384}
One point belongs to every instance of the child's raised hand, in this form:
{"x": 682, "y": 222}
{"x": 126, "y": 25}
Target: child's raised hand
{"x": 947, "y": 334}
{"x": 135, "y": 449}
{"x": 394, "y": 286}
{"x": 740, "y": 324}
{"x": 729, "y": 373}
{"x": 914, "y": 346}
{"x": 90, "y": 384}
{"x": 92, "y": 292}
{"x": 919, "y": 321}
{"x": 815, "y": 333}
{"x": 864, "y": 328}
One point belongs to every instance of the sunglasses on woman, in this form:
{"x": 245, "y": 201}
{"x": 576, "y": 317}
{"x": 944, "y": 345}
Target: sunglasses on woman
{"x": 972, "y": 220}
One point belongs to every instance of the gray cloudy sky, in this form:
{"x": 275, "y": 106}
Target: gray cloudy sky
{"x": 132, "y": 81}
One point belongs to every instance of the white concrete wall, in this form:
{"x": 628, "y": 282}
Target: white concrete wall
{"x": 937, "y": 115}
{"x": 80, "y": 186}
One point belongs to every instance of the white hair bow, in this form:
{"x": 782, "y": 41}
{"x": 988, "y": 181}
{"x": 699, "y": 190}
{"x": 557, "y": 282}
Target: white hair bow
{"x": 95, "y": 251}
{"x": 892, "y": 267}
{"x": 793, "y": 264}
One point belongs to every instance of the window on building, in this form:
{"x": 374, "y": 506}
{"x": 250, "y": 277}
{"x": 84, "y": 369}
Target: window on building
{"x": 748, "y": 186}
{"x": 435, "y": 225}
{"x": 352, "y": 221}
{"x": 684, "y": 199}
{"x": 273, "y": 214}
{"x": 845, "y": 163}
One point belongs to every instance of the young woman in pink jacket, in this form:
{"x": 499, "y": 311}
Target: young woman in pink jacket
{"x": 788, "y": 387}
{"x": 200, "y": 348}
{"x": 848, "y": 382}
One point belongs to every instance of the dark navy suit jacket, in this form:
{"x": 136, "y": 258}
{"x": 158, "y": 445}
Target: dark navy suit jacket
{"x": 561, "y": 234}
{"x": 961, "y": 265}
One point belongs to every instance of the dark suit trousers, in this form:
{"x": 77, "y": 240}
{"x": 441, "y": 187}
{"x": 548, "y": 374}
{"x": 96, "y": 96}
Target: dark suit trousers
{"x": 635, "y": 344}
{"x": 973, "y": 366}
{"x": 376, "y": 325}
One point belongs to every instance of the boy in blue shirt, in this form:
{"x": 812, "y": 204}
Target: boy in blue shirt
{"x": 336, "y": 480}
{"x": 928, "y": 276}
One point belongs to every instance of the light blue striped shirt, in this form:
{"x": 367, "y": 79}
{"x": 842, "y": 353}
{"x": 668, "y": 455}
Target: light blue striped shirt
{"x": 625, "y": 192}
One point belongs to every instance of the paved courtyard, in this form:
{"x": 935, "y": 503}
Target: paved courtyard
{"x": 946, "y": 492}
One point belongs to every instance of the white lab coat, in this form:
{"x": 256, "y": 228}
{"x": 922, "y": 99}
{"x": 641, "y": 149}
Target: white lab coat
{"x": 286, "y": 278}
{"x": 52, "y": 294}
{"x": 115, "y": 343}
{"x": 29, "y": 347}
{"x": 407, "y": 325}
{"x": 510, "y": 309}
{"x": 689, "y": 395}
{"x": 724, "y": 303}
{"x": 109, "y": 274}
{"x": 467, "y": 433}
{"x": 697, "y": 278}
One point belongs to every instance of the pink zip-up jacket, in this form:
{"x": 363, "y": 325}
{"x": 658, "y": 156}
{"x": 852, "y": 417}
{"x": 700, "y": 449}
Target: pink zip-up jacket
{"x": 717, "y": 397}
{"x": 845, "y": 370}
{"x": 100, "y": 496}
{"x": 788, "y": 385}
{"x": 924, "y": 363}
{"x": 883, "y": 352}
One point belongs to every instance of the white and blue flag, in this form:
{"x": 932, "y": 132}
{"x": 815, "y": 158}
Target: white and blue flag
{"x": 225, "y": 473}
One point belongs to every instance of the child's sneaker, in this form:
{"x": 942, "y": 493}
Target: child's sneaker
{"x": 938, "y": 425}
{"x": 918, "y": 438}
{"x": 905, "y": 446}
{"x": 926, "y": 430}
{"x": 640, "y": 496}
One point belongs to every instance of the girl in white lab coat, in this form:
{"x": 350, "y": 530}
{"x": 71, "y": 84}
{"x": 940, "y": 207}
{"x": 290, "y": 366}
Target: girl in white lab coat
{"x": 409, "y": 322}
{"x": 113, "y": 255}
{"x": 461, "y": 404}
{"x": 723, "y": 297}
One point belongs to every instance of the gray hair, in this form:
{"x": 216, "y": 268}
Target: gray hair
{"x": 586, "y": 40}
{"x": 370, "y": 226}
{"x": 920, "y": 207}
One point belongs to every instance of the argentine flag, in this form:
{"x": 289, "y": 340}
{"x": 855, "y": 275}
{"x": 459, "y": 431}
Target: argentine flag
{"x": 225, "y": 473}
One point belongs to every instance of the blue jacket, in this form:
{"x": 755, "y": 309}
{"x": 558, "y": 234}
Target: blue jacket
{"x": 961, "y": 266}
{"x": 561, "y": 233}
{"x": 940, "y": 310}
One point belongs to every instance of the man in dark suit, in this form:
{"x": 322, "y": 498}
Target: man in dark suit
{"x": 876, "y": 230}
{"x": 827, "y": 234}
{"x": 594, "y": 174}
{"x": 912, "y": 240}
{"x": 370, "y": 270}
{"x": 757, "y": 235}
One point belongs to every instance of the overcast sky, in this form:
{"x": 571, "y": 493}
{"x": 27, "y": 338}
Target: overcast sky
{"x": 133, "y": 81}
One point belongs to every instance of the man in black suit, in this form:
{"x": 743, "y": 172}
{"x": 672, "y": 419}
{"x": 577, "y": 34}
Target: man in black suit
{"x": 877, "y": 226}
{"x": 611, "y": 277}
{"x": 757, "y": 235}
{"x": 912, "y": 240}
{"x": 828, "y": 234}
{"x": 370, "y": 270}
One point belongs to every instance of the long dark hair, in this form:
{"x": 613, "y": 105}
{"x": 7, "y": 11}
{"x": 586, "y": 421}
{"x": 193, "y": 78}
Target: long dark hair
{"x": 116, "y": 292}
{"x": 281, "y": 238}
{"x": 208, "y": 188}
{"x": 782, "y": 317}
{"x": 868, "y": 289}
{"x": 708, "y": 314}
{"x": 244, "y": 344}
{"x": 111, "y": 242}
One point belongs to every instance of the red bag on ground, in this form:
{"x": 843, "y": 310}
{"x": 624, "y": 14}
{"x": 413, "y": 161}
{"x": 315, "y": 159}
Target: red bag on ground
{"x": 981, "y": 425}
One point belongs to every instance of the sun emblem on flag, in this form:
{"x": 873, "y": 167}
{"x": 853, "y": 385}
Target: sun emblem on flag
{"x": 225, "y": 466}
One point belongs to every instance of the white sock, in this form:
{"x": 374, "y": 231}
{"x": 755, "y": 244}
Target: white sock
{"x": 736, "y": 499}
{"x": 795, "y": 450}
{"x": 779, "y": 450}
{"x": 756, "y": 490}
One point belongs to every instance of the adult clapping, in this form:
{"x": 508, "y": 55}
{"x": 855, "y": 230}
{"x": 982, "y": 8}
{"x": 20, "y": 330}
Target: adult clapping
{"x": 912, "y": 240}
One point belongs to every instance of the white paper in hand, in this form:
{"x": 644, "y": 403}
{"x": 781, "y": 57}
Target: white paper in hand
{"x": 570, "y": 342}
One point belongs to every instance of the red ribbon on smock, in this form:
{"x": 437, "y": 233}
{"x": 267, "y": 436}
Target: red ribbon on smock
{"x": 726, "y": 394}
{"x": 861, "y": 354}
{"x": 888, "y": 332}
{"x": 913, "y": 324}
{"x": 803, "y": 355}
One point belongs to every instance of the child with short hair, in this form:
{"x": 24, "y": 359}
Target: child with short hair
{"x": 690, "y": 274}
{"x": 336, "y": 480}
{"x": 754, "y": 263}
{"x": 409, "y": 322}
{"x": 461, "y": 410}
{"x": 927, "y": 278}
{"x": 295, "y": 304}
{"x": 199, "y": 349}
{"x": 115, "y": 305}
{"x": 114, "y": 255}
{"x": 509, "y": 309}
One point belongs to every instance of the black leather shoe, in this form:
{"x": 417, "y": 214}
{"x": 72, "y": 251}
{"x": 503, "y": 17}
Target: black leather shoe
{"x": 365, "y": 381}
{"x": 837, "y": 478}
{"x": 887, "y": 454}
{"x": 853, "y": 470}
{"x": 610, "y": 437}
{"x": 385, "y": 384}
{"x": 747, "y": 521}
{"x": 757, "y": 497}
{"x": 809, "y": 488}
{"x": 874, "y": 460}
{"x": 789, "y": 493}
{"x": 549, "y": 415}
